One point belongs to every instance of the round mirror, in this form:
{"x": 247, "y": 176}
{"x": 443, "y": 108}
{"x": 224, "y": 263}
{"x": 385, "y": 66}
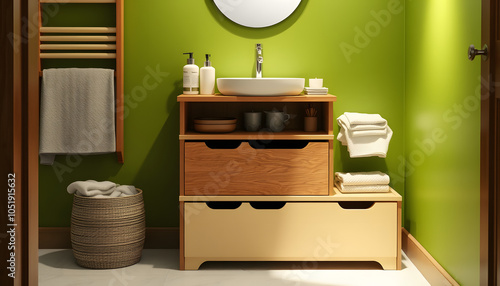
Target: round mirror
{"x": 257, "y": 13}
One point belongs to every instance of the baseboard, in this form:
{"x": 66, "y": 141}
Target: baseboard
{"x": 54, "y": 238}
{"x": 156, "y": 237}
{"x": 433, "y": 272}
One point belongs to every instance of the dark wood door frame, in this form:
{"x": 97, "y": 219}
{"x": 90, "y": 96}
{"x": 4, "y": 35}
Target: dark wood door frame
{"x": 490, "y": 104}
{"x": 11, "y": 236}
{"x": 19, "y": 145}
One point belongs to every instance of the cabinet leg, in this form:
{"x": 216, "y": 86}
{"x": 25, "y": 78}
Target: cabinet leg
{"x": 193, "y": 263}
{"x": 388, "y": 263}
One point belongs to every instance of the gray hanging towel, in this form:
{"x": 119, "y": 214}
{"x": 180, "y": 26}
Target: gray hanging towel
{"x": 77, "y": 112}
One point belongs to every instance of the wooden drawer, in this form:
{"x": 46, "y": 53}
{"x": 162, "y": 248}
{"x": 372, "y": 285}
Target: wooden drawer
{"x": 295, "y": 169}
{"x": 299, "y": 231}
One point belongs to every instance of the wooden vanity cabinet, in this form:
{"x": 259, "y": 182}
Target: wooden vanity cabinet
{"x": 263, "y": 196}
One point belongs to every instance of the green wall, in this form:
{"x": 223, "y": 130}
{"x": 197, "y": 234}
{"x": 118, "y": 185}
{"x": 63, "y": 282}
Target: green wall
{"x": 408, "y": 66}
{"x": 313, "y": 42}
{"x": 443, "y": 131}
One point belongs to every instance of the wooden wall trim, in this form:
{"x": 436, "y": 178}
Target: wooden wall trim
{"x": 433, "y": 272}
{"x": 54, "y": 238}
{"x": 156, "y": 238}
{"x": 120, "y": 80}
{"x": 30, "y": 192}
{"x": 162, "y": 237}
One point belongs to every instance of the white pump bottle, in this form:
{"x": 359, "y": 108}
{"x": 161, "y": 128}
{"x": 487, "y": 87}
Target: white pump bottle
{"x": 207, "y": 77}
{"x": 191, "y": 76}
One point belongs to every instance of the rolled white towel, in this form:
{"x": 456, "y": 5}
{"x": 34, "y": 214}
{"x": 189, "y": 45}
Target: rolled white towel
{"x": 91, "y": 188}
{"x": 125, "y": 190}
{"x": 361, "y": 178}
{"x": 106, "y": 189}
{"x": 365, "y": 189}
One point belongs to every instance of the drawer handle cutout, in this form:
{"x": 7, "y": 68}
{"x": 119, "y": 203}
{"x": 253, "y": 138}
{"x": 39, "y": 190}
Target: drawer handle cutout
{"x": 267, "y": 205}
{"x": 279, "y": 144}
{"x": 223, "y": 144}
{"x": 356, "y": 205}
{"x": 223, "y": 205}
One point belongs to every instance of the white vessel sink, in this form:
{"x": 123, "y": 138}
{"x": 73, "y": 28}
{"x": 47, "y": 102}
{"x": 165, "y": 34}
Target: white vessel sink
{"x": 260, "y": 86}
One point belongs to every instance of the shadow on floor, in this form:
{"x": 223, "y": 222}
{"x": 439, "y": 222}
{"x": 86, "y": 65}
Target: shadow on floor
{"x": 290, "y": 265}
{"x": 62, "y": 259}
{"x": 160, "y": 267}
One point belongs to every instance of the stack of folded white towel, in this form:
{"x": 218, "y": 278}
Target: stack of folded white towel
{"x": 362, "y": 182}
{"x": 316, "y": 91}
{"x": 365, "y": 135}
{"x": 106, "y": 189}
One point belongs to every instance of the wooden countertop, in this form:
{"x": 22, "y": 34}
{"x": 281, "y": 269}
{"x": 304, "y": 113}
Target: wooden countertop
{"x": 229, "y": 98}
{"x": 391, "y": 196}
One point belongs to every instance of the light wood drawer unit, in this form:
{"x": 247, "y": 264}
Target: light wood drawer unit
{"x": 299, "y": 231}
{"x": 315, "y": 222}
{"x": 245, "y": 170}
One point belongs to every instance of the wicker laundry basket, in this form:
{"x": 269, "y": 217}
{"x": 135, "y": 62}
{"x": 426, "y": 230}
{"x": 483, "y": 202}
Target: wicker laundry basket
{"x": 108, "y": 232}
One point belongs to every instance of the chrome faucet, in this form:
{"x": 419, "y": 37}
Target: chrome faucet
{"x": 260, "y": 59}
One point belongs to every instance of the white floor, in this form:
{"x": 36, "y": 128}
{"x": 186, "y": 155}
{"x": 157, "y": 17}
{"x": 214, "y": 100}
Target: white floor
{"x": 160, "y": 267}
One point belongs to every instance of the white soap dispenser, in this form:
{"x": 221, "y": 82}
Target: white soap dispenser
{"x": 191, "y": 74}
{"x": 207, "y": 77}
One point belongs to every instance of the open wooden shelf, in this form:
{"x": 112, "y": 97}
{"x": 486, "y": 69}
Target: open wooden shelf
{"x": 243, "y": 135}
{"x": 391, "y": 196}
{"x": 193, "y": 106}
{"x": 228, "y": 98}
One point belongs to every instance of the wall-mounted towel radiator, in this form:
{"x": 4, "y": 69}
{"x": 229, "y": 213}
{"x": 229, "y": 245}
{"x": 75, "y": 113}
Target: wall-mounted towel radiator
{"x": 88, "y": 43}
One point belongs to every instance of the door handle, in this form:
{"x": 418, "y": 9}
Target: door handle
{"x": 473, "y": 52}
